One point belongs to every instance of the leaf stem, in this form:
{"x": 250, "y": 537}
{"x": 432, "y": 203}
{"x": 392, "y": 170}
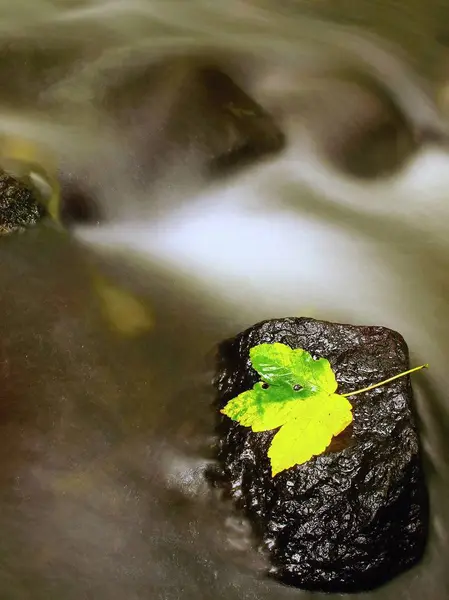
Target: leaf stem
{"x": 371, "y": 387}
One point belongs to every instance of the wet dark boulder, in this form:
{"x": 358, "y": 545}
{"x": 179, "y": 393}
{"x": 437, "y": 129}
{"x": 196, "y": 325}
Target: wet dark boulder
{"x": 18, "y": 206}
{"x": 356, "y": 516}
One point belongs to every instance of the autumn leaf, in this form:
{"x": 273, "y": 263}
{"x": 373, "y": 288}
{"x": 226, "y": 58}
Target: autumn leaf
{"x": 125, "y": 313}
{"x": 297, "y": 394}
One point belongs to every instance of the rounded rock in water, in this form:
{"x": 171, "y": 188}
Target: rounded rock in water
{"x": 354, "y": 518}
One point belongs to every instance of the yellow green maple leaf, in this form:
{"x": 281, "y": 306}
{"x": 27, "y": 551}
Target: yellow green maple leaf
{"x": 297, "y": 394}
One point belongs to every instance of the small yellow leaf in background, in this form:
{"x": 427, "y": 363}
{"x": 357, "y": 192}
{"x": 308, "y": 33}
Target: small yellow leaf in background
{"x": 124, "y": 312}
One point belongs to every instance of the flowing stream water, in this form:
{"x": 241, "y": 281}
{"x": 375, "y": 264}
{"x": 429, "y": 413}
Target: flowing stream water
{"x": 107, "y": 329}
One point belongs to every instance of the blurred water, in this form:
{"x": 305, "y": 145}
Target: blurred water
{"x": 106, "y": 435}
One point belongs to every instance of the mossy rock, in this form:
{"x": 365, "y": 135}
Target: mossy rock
{"x": 18, "y": 207}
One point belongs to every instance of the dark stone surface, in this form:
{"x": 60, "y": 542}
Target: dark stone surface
{"x": 356, "y": 516}
{"x": 18, "y": 207}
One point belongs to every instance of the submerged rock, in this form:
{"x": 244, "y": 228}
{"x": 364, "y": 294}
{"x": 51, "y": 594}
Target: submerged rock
{"x": 18, "y": 207}
{"x": 356, "y": 516}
